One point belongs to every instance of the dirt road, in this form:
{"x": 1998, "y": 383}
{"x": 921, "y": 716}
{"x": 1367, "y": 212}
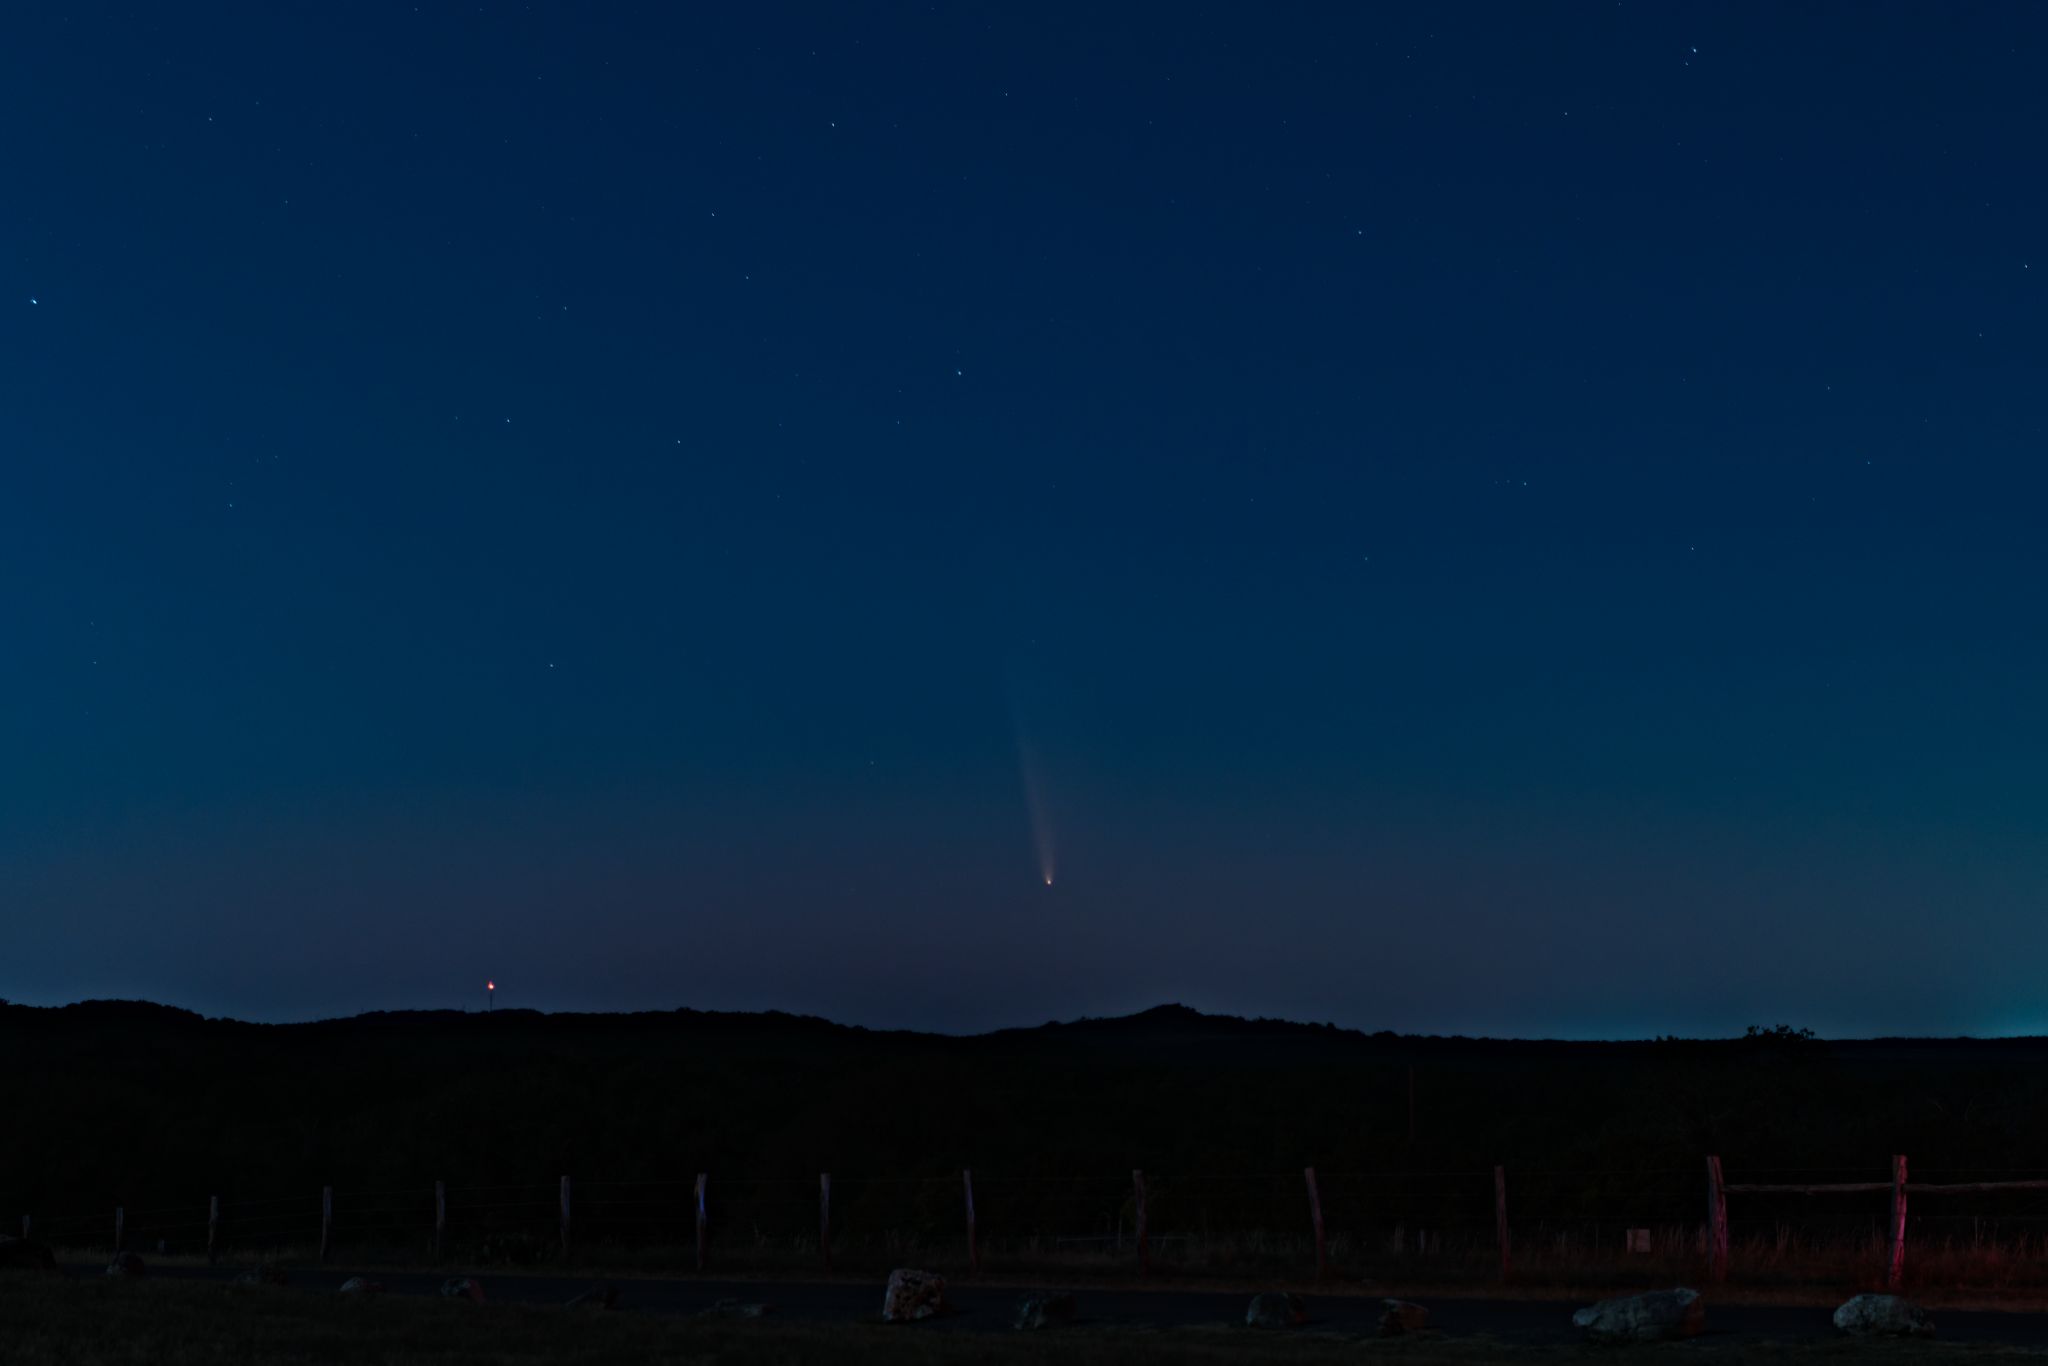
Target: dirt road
{"x": 988, "y": 1308}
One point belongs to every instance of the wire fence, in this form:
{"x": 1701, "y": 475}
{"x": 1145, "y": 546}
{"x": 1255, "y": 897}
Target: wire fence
{"x": 1495, "y": 1222}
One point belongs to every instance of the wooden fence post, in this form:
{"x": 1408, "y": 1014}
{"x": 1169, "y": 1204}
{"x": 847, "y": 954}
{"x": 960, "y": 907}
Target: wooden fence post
{"x": 565, "y": 1218}
{"x": 973, "y": 1241}
{"x": 1895, "y": 1273}
{"x": 1500, "y": 1216}
{"x": 700, "y": 1219}
{"x": 440, "y": 1217}
{"x": 825, "y": 1217}
{"x": 1717, "y": 1222}
{"x": 326, "y": 1218}
{"x": 212, "y": 1227}
{"x": 1315, "y": 1219}
{"x": 120, "y": 1227}
{"x": 1144, "y": 1252}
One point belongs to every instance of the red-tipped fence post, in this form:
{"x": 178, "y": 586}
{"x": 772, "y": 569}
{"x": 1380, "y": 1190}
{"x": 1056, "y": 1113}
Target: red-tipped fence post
{"x": 565, "y": 1218}
{"x": 212, "y": 1227}
{"x": 1315, "y": 1219}
{"x": 1895, "y": 1272}
{"x": 973, "y": 1241}
{"x": 326, "y": 1218}
{"x": 1717, "y": 1222}
{"x": 825, "y": 1217}
{"x": 1144, "y": 1252}
{"x": 1500, "y": 1216}
{"x": 700, "y": 1219}
{"x": 440, "y": 1217}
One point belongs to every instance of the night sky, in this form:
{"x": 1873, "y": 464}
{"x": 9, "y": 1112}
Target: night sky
{"x": 1516, "y": 519}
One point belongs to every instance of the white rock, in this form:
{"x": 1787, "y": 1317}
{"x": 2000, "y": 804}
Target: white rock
{"x": 1644, "y": 1318}
{"x": 913, "y": 1295}
{"x": 1883, "y": 1315}
{"x": 1276, "y": 1309}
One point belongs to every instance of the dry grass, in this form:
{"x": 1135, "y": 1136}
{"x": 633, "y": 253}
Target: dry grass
{"x": 88, "y": 1322}
{"x": 1786, "y": 1267}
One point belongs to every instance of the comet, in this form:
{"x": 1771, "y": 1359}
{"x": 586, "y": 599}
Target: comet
{"x": 1034, "y": 802}
{"x": 1029, "y": 771}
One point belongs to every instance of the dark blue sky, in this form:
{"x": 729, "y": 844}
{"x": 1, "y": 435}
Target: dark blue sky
{"x": 1479, "y": 518}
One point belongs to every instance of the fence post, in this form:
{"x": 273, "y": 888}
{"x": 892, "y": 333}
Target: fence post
{"x": 1315, "y": 1219}
{"x": 700, "y": 1219}
{"x": 1895, "y": 1273}
{"x": 326, "y": 1218}
{"x": 1144, "y": 1252}
{"x": 440, "y": 1216}
{"x": 24, "y": 1228}
{"x": 825, "y": 1217}
{"x": 212, "y": 1226}
{"x": 1500, "y": 1216}
{"x": 1717, "y": 1222}
{"x": 565, "y": 1218}
{"x": 973, "y": 1243}
{"x": 120, "y": 1228}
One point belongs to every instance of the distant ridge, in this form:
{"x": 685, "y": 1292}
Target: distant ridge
{"x": 151, "y": 1106}
{"x": 1169, "y": 1019}
{"x": 1164, "y": 1021}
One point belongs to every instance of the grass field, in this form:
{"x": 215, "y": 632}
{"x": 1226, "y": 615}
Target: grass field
{"x": 48, "y": 1321}
{"x": 1786, "y": 1268}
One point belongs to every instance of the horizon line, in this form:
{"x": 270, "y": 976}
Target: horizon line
{"x": 1164, "y": 1007}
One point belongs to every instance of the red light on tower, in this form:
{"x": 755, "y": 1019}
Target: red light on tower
{"x": 490, "y": 989}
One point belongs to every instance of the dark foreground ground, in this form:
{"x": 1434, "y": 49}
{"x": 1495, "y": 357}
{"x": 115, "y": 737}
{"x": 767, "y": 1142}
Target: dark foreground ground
{"x": 191, "y": 1315}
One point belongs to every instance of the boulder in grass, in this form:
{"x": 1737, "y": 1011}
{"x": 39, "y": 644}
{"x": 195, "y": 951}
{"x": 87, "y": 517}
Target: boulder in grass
{"x": 736, "y": 1309}
{"x": 266, "y": 1273}
{"x": 599, "y": 1296}
{"x": 1651, "y": 1317}
{"x": 125, "y": 1264}
{"x": 913, "y": 1295}
{"x": 1883, "y": 1316}
{"x": 1398, "y": 1317}
{"x": 463, "y": 1288}
{"x": 360, "y": 1285}
{"x": 25, "y": 1254}
{"x": 1050, "y": 1310}
{"x": 1276, "y": 1309}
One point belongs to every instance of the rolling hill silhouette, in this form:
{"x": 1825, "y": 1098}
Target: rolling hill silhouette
{"x": 144, "y": 1104}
